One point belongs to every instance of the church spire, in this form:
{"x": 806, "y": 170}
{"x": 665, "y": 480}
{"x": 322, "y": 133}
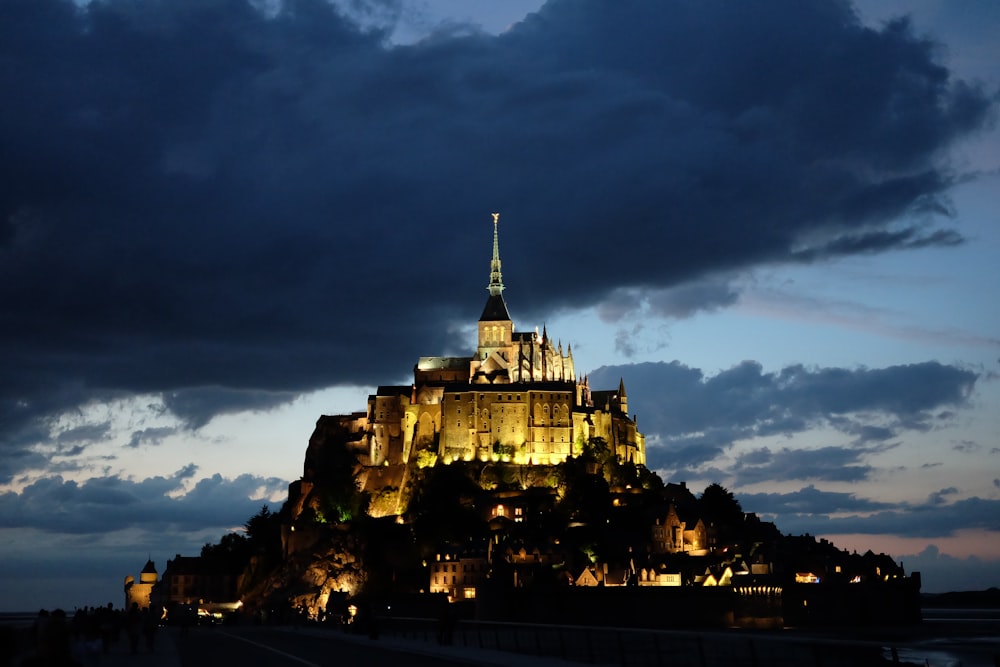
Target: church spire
{"x": 496, "y": 279}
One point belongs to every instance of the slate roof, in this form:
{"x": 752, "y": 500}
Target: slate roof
{"x": 495, "y": 310}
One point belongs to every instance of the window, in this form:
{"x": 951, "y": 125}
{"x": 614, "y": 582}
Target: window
{"x": 459, "y": 423}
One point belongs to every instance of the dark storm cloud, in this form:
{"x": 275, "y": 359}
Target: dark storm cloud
{"x": 195, "y": 194}
{"x": 196, "y": 407}
{"x": 691, "y": 419}
{"x": 828, "y": 512}
{"x": 831, "y": 464}
{"x": 808, "y": 500}
{"x": 109, "y": 504}
{"x": 931, "y": 519}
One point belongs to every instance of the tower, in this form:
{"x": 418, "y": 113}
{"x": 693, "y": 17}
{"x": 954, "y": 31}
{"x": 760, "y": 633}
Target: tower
{"x": 495, "y": 325}
{"x": 140, "y": 592}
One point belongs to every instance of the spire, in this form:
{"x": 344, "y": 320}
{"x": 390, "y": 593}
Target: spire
{"x": 496, "y": 309}
{"x": 496, "y": 279}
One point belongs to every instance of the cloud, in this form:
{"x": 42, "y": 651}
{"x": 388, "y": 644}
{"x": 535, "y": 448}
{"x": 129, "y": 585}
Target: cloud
{"x": 151, "y": 436}
{"x": 231, "y": 206}
{"x": 941, "y": 572}
{"x": 110, "y": 504}
{"x": 831, "y": 464}
{"x": 934, "y": 518}
{"x": 692, "y": 418}
{"x": 809, "y": 500}
{"x": 197, "y": 406}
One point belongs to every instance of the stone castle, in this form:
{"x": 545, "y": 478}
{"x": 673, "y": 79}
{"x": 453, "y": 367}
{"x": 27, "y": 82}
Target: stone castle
{"x": 516, "y": 399}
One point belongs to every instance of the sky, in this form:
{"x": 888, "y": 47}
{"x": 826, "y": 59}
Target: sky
{"x": 219, "y": 220}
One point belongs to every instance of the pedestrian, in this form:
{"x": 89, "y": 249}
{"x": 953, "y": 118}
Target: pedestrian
{"x": 150, "y": 623}
{"x": 133, "y": 627}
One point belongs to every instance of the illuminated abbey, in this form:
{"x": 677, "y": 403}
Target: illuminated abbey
{"x": 517, "y": 399}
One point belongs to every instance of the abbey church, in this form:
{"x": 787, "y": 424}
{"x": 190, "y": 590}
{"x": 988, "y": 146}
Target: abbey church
{"x": 517, "y": 399}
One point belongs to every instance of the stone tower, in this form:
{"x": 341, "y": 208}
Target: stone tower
{"x": 140, "y": 592}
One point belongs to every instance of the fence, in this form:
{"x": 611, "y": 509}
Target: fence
{"x": 641, "y": 648}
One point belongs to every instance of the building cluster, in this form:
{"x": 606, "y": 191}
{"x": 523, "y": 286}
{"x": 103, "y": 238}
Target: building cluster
{"x": 677, "y": 547}
{"x": 518, "y": 398}
{"x": 188, "y": 582}
{"x": 600, "y": 519}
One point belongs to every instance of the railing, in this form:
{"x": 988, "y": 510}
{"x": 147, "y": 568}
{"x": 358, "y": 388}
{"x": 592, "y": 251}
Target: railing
{"x": 639, "y": 648}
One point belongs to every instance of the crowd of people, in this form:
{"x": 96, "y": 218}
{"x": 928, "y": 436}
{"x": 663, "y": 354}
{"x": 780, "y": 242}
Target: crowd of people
{"x": 80, "y": 640}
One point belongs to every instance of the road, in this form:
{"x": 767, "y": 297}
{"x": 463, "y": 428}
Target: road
{"x": 268, "y": 647}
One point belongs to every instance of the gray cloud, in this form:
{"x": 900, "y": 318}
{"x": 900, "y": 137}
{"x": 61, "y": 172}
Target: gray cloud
{"x": 809, "y": 500}
{"x": 150, "y": 436}
{"x": 693, "y": 418}
{"x": 227, "y": 207}
{"x": 832, "y": 464}
{"x": 819, "y": 512}
{"x": 110, "y": 504}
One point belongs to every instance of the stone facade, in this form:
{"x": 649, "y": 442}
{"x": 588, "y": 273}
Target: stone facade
{"x": 139, "y": 592}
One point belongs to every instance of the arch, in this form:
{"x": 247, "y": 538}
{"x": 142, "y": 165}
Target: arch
{"x": 425, "y": 429}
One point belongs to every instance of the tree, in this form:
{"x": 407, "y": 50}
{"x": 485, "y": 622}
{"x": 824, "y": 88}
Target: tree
{"x": 719, "y": 507}
{"x": 443, "y": 502}
{"x": 231, "y": 554}
{"x": 264, "y": 533}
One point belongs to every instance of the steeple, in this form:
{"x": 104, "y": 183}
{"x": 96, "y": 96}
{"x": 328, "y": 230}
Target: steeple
{"x": 496, "y": 309}
{"x": 496, "y": 279}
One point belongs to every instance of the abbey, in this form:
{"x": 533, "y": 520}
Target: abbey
{"x": 516, "y": 399}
